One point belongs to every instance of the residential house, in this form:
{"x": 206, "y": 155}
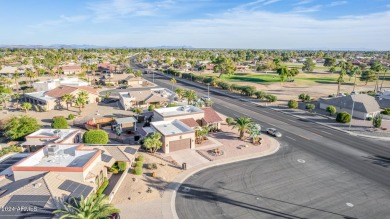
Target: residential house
{"x": 71, "y": 69}
{"x": 51, "y": 99}
{"x": 124, "y": 124}
{"x": 136, "y": 82}
{"x": 144, "y": 98}
{"x": 107, "y": 68}
{"x": 42, "y": 137}
{"x": 363, "y": 105}
{"x": 54, "y": 83}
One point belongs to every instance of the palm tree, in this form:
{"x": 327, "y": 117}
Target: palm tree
{"x": 173, "y": 81}
{"x": 68, "y": 99}
{"x": 4, "y": 98}
{"x": 31, "y": 74}
{"x": 95, "y": 206}
{"x": 84, "y": 95}
{"x": 16, "y": 76}
{"x": 153, "y": 142}
{"x": 340, "y": 80}
{"x": 355, "y": 71}
{"x": 180, "y": 92}
{"x": 93, "y": 68}
{"x": 26, "y": 106}
{"x": 200, "y": 133}
{"x": 190, "y": 95}
{"x": 80, "y": 102}
{"x": 242, "y": 124}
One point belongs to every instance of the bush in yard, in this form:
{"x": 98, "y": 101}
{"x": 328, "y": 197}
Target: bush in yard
{"x": 140, "y": 158}
{"x": 59, "y": 122}
{"x": 304, "y": 97}
{"x": 18, "y": 127}
{"x": 293, "y": 104}
{"x": 343, "y": 117}
{"x": 95, "y": 137}
{"x": 113, "y": 170}
{"x": 377, "y": 121}
{"x": 171, "y": 105}
{"x": 71, "y": 116}
{"x": 310, "y": 107}
{"x": 151, "y": 107}
{"x": 139, "y": 163}
{"x": 230, "y": 120}
{"x": 102, "y": 187}
{"x": 386, "y": 111}
{"x": 260, "y": 94}
{"x": 369, "y": 118}
{"x": 138, "y": 170}
{"x": 152, "y": 166}
{"x": 331, "y": 110}
{"x": 271, "y": 98}
{"x": 122, "y": 165}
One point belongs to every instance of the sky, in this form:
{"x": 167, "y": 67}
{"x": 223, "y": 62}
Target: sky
{"x": 246, "y": 24}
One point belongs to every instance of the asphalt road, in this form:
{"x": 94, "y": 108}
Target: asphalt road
{"x": 289, "y": 184}
{"x": 369, "y": 158}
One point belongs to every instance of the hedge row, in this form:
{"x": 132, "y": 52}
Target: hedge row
{"x": 215, "y": 82}
{"x": 138, "y": 165}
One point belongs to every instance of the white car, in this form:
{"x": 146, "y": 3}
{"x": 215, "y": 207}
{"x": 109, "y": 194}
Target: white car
{"x": 274, "y": 132}
{"x": 205, "y": 98}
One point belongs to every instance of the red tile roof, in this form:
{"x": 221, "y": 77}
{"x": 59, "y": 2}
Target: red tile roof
{"x": 71, "y": 67}
{"x": 210, "y": 116}
{"x": 190, "y": 122}
{"x": 62, "y": 90}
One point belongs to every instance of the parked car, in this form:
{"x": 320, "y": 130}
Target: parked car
{"x": 274, "y": 132}
{"x": 115, "y": 216}
{"x": 205, "y": 98}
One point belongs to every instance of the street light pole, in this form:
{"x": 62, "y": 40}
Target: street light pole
{"x": 208, "y": 91}
{"x": 350, "y": 122}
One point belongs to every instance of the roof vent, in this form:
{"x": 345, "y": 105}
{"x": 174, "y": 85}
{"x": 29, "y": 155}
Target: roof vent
{"x": 37, "y": 185}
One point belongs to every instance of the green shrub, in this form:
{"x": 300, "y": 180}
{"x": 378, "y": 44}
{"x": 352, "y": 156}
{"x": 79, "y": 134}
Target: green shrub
{"x": 260, "y": 94}
{"x": 71, "y": 117}
{"x": 230, "y": 121}
{"x": 293, "y": 104}
{"x": 95, "y": 137}
{"x": 171, "y": 105}
{"x": 138, "y": 170}
{"x": 377, "y": 121}
{"x": 331, "y": 110}
{"x": 102, "y": 187}
{"x": 113, "y": 170}
{"x": 310, "y": 107}
{"x": 271, "y": 98}
{"x": 59, "y": 122}
{"x": 139, "y": 163}
{"x": 369, "y": 118}
{"x": 20, "y": 126}
{"x": 140, "y": 158}
{"x": 304, "y": 97}
{"x": 10, "y": 149}
{"x": 122, "y": 165}
{"x": 343, "y": 117}
{"x": 386, "y": 111}
{"x": 152, "y": 166}
{"x": 36, "y": 108}
{"x": 151, "y": 107}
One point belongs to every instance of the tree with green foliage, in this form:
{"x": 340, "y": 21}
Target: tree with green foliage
{"x": 137, "y": 73}
{"x": 242, "y": 124}
{"x": 151, "y": 107}
{"x": 355, "y": 72}
{"x": 180, "y": 92}
{"x": 377, "y": 121}
{"x": 95, "y": 206}
{"x": 260, "y": 94}
{"x": 201, "y": 133}
{"x": 254, "y": 133}
{"x": 4, "y": 98}
{"x": 283, "y": 72}
{"x": 304, "y": 97}
{"x": 331, "y": 110}
{"x": 310, "y": 107}
{"x": 332, "y": 69}
{"x": 153, "y": 142}
{"x": 173, "y": 82}
{"x": 340, "y": 80}
{"x": 329, "y": 62}
{"x": 137, "y": 110}
{"x": 223, "y": 65}
{"x": 271, "y": 98}
{"x": 68, "y": 99}
{"x": 343, "y": 117}
{"x": 21, "y": 126}
{"x": 292, "y": 104}
{"x": 190, "y": 95}
{"x": 59, "y": 122}
{"x": 368, "y": 76}
{"x": 26, "y": 106}
{"x": 229, "y": 121}
{"x": 308, "y": 65}
{"x": 95, "y": 137}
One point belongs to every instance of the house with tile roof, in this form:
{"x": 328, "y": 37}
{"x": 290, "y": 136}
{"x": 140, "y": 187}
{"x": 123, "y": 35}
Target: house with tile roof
{"x": 54, "y": 83}
{"x": 144, "y": 98}
{"x": 51, "y": 99}
{"x": 363, "y": 105}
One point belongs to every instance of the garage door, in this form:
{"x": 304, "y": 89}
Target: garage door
{"x": 179, "y": 144}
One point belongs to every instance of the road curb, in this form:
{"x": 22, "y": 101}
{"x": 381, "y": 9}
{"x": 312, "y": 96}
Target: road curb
{"x": 169, "y": 197}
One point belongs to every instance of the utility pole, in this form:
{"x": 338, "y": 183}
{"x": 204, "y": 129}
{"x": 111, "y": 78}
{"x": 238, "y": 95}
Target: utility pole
{"x": 208, "y": 90}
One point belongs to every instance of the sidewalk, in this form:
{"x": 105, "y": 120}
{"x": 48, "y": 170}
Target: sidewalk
{"x": 168, "y": 208}
{"x": 323, "y": 119}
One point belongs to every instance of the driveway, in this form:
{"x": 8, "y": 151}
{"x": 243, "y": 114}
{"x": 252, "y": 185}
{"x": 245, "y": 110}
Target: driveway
{"x": 191, "y": 157}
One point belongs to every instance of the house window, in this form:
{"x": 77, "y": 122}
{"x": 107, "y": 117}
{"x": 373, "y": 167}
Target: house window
{"x": 97, "y": 181}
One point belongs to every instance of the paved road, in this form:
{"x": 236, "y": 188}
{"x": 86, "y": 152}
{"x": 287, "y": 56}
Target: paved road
{"x": 289, "y": 184}
{"x": 367, "y": 157}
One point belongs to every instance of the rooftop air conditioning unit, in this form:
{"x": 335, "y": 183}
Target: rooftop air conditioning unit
{"x": 53, "y": 150}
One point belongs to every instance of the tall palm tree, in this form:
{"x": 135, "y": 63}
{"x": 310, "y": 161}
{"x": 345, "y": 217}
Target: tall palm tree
{"x": 242, "y": 124}
{"x": 355, "y": 71}
{"x": 173, "y": 82}
{"x": 80, "y": 102}
{"x": 16, "y": 76}
{"x": 153, "y": 142}
{"x": 93, "y": 68}
{"x": 68, "y": 99}
{"x": 92, "y": 207}
{"x": 340, "y": 80}
{"x": 30, "y": 74}
{"x": 180, "y": 92}
{"x": 190, "y": 95}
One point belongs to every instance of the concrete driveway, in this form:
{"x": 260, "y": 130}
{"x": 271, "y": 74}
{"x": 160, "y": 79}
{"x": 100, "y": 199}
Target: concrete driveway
{"x": 191, "y": 157}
